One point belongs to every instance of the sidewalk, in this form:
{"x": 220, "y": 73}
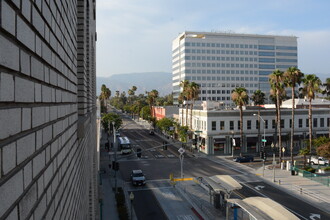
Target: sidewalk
{"x": 109, "y": 208}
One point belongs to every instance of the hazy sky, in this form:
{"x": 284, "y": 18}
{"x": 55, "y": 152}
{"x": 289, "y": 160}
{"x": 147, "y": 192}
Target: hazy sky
{"x": 136, "y": 35}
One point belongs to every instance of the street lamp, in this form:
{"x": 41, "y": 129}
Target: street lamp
{"x": 232, "y": 143}
{"x": 274, "y": 162}
{"x": 131, "y": 197}
{"x": 115, "y": 149}
{"x": 264, "y": 141}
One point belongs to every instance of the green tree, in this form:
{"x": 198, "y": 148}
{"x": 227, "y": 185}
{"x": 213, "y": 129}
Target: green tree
{"x": 276, "y": 80}
{"x": 304, "y": 152}
{"x": 324, "y": 150}
{"x": 182, "y": 132}
{"x": 145, "y": 113}
{"x": 258, "y": 98}
{"x": 240, "y": 98}
{"x": 292, "y": 78}
{"x": 310, "y": 88}
{"x": 165, "y": 124}
{"x": 109, "y": 118}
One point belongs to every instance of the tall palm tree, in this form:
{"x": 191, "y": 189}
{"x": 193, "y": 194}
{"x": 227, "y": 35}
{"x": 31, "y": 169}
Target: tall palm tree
{"x": 151, "y": 99}
{"x": 240, "y": 98}
{"x": 311, "y": 87}
{"x": 105, "y": 94}
{"x": 258, "y": 98}
{"x": 193, "y": 95}
{"x": 185, "y": 92}
{"x": 326, "y": 92}
{"x": 276, "y": 81}
{"x": 292, "y": 77}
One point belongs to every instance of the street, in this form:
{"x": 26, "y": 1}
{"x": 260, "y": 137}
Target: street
{"x": 157, "y": 165}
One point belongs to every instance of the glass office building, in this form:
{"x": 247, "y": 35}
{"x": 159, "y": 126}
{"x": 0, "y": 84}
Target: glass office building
{"x": 220, "y": 62}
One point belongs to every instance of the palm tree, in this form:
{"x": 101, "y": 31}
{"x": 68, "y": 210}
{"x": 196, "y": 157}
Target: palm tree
{"x": 151, "y": 99}
{"x": 292, "y": 77}
{"x": 276, "y": 81}
{"x": 193, "y": 95}
{"x": 240, "y": 98}
{"x": 258, "y": 98}
{"x": 105, "y": 94}
{"x": 185, "y": 87}
{"x": 311, "y": 87}
{"x": 326, "y": 92}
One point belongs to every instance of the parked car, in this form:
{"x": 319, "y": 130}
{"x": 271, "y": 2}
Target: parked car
{"x": 319, "y": 160}
{"x": 138, "y": 178}
{"x": 245, "y": 158}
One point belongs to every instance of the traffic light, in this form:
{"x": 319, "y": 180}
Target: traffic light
{"x": 138, "y": 153}
{"x": 164, "y": 145}
{"x": 116, "y": 166}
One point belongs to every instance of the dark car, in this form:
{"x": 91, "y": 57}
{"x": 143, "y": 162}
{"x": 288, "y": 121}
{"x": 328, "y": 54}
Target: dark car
{"x": 246, "y": 158}
{"x": 138, "y": 178}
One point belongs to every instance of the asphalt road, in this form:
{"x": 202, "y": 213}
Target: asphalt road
{"x": 158, "y": 164}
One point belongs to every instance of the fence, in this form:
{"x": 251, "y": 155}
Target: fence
{"x": 325, "y": 180}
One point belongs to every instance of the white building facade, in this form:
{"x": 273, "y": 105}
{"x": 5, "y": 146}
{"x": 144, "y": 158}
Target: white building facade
{"x": 220, "y": 62}
{"x": 216, "y": 128}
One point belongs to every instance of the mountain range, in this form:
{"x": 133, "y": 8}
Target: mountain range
{"x": 161, "y": 81}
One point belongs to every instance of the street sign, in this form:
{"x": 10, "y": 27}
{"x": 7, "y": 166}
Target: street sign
{"x": 263, "y": 140}
{"x": 181, "y": 150}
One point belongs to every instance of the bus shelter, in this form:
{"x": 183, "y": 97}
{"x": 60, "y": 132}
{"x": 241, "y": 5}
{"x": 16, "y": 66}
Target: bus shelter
{"x": 258, "y": 208}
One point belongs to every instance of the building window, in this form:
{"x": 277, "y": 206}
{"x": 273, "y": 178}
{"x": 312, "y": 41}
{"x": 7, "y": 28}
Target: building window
{"x": 290, "y": 123}
{"x": 282, "y": 123}
{"x": 231, "y": 125}
{"x": 273, "y": 124}
{"x": 307, "y": 123}
{"x": 257, "y": 124}
{"x": 300, "y": 123}
{"x": 328, "y": 123}
{"x": 315, "y": 122}
{"x": 238, "y": 124}
{"x": 222, "y": 125}
{"x": 266, "y": 124}
{"x": 214, "y": 125}
{"x": 248, "y": 124}
{"x": 321, "y": 122}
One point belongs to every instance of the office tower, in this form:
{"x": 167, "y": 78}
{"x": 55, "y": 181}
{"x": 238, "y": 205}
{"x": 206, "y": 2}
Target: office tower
{"x": 47, "y": 110}
{"x": 220, "y": 62}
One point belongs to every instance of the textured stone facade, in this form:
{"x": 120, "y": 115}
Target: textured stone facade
{"x": 48, "y": 165}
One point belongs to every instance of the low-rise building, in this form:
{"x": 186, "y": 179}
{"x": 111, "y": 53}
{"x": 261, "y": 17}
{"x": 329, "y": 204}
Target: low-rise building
{"x": 218, "y": 130}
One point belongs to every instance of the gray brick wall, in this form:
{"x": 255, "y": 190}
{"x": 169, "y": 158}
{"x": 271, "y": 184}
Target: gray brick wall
{"x": 47, "y": 86}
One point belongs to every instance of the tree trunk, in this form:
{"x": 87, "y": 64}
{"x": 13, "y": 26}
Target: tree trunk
{"x": 292, "y": 126}
{"x": 241, "y": 127}
{"x": 191, "y": 109}
{"x": 187, "y": 114}
{"x": 259, "y": 136}
{"x": 310, "y": 129}
{"x": 279, "y": 126}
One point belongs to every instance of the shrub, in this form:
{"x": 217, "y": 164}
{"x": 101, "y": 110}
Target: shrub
{"x": 326, "y": 168}
{"x": 310, "y": 169}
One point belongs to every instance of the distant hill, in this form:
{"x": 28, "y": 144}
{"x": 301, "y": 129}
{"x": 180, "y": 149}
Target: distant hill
{"x": 160, "y": 81}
